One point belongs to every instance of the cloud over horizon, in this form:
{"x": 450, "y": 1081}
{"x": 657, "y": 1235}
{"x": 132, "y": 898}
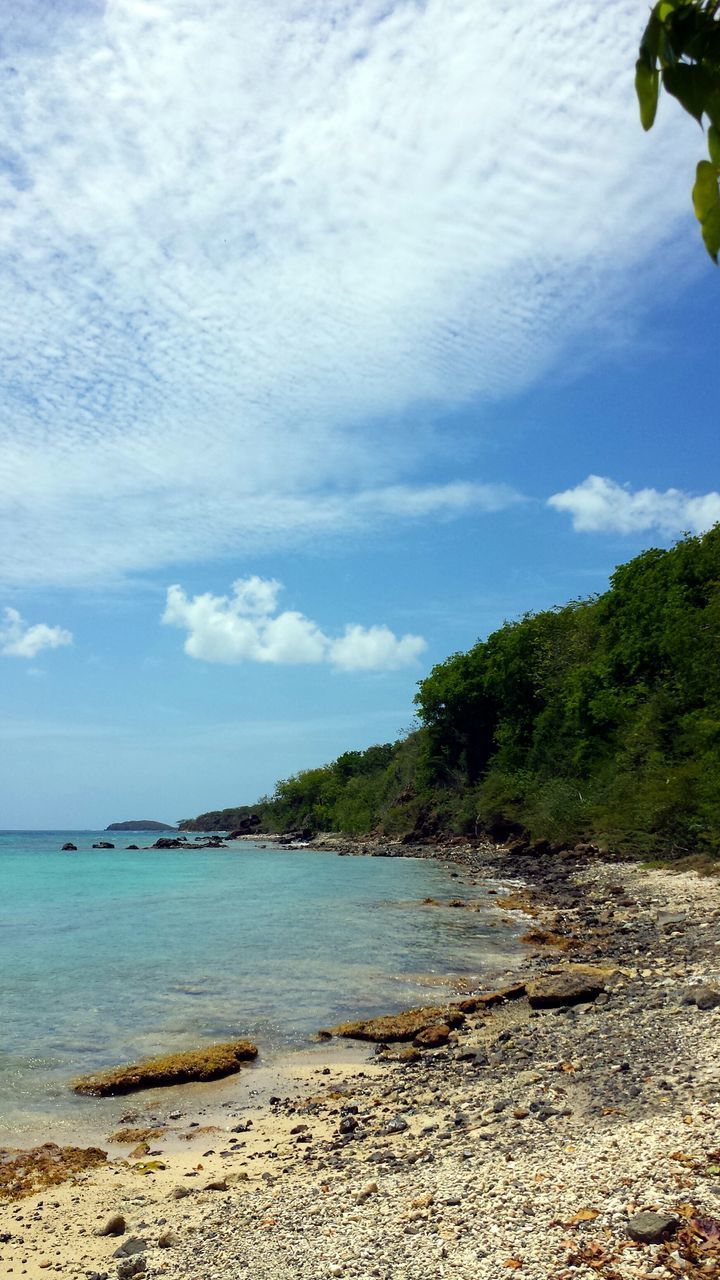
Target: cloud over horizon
{"x": 248, "y": 254}
{"x": 248, "y": 627}
{"x": 601, "y": 505}
{"x": 18, "y": 639}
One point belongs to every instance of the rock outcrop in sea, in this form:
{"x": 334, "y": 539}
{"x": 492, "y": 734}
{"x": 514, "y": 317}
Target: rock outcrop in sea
{"x": 209, "y": 1063}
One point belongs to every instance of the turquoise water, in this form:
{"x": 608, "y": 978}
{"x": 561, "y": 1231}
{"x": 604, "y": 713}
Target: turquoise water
{"x": 110, "y": 956}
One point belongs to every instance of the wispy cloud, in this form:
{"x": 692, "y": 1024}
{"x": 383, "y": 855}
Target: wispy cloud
{"x": 600, "y": 505}
{"x": 248, "y": 627}
{"x": 20, "y": 639}
{"x": 241, "y": 242}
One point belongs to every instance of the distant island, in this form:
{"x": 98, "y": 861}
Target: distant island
{"x": 142, "y": 824}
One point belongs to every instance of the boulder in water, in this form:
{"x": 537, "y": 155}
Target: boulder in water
{"x": 401, "y": 1026}
{"x": 210, "y": 1063}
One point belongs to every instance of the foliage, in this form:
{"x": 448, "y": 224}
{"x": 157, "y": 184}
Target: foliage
{"x": 599, "y": 719}
{"x": 680, "y": 48}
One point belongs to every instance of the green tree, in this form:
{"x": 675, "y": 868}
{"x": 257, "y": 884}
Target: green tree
{"x": 680, "y": 49}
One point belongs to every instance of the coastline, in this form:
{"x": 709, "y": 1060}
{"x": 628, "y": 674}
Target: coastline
{"x": 528, "y": 1140}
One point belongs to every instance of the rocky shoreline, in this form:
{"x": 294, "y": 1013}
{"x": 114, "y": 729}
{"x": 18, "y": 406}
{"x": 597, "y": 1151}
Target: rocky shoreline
{"x": 575, "y": 1136}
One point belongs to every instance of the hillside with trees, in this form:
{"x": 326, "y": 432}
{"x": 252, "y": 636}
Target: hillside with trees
{"x": 599, "y": 719}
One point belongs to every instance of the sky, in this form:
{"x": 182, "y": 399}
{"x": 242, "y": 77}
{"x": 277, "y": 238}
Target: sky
{"x": 333, "y": 335}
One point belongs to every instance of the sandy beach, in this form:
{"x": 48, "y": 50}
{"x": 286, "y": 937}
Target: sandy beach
{"x": 529, "y": 1142}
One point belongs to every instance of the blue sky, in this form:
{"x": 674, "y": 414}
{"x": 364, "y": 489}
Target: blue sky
{"x": 332, "y": 337}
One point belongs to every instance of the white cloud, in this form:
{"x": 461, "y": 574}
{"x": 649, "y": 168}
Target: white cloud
{"x": 244, "y": 246}
{"x": 370, "y": 648}
{"x": 600, "y": 505}
{"x": 246, "y": 627}
{"x": 18, "y": 639}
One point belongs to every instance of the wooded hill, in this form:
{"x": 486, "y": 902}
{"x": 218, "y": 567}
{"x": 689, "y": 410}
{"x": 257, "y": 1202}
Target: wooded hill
{"x": 596, "y": 720}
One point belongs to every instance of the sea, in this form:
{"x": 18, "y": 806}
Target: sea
{"x": 110, "y": 956}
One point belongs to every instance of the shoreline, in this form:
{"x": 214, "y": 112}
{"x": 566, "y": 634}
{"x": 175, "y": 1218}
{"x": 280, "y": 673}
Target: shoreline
{"x": 87, "y": 1121}
{"x": 526, "y": 1143}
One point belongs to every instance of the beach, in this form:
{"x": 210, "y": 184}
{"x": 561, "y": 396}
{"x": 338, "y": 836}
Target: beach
{"x": 529, "y": 1142}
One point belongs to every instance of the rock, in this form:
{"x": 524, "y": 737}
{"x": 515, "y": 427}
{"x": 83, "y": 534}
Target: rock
{"x": 211, "y": 1063}
{"x": 69, "y": 848}
{"x": 370, "y": 1189}
{"x": 218, "y": 1184}
{"x": 115, "y": 1226}
{"x": 103, "y": 844}
{"x": 704, "y": 996}
{"x": 129, "y": 1267}
{"x": 133, "y": 846}
{"x": 400, "y": 1026}
{"x": 24, "y": 1172}
{"x": 487, "y": 1000}
{"x": 168, "y": 1240}
{"x": 246, "y": 826}
{"x": 179, "y": 1193}
{"x": 396, "y": 1125}
{"x": 561, "y": 990}
{"x": 134, "y": 1244}
{"x": 651, "y": 1228}
{"x": 547, "y": 938}
{"x": 432, "y": 1037}
{"x": 348, "y": 1124}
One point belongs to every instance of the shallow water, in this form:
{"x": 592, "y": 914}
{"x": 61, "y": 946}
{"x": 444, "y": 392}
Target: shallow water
{"x": 109, "y": 956}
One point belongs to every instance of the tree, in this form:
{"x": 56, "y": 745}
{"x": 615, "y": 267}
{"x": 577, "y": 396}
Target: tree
{"x": 680, "y": 48}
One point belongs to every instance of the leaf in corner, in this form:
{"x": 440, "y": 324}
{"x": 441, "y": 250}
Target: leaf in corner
{"x": 690, "y": 85}
{"x": 647, "y": 84}
{"x": 710, "y": 227}
{"x": 706, "y": 203}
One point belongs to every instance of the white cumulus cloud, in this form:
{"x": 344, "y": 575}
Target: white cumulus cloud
{"x": 248, "y": 251}
{"x": 20, "y": 639}
{"x": 373, "y": 648}
{"x": 247, "y": 627}
{"x": 601, "y": 505}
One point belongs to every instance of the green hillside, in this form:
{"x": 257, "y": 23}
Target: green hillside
{"x": 598, "y": 719}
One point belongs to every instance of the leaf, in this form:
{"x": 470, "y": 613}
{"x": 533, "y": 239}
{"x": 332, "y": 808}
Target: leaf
{"x": 647, "y": 85}
{"x": 708, "y": 1228}
{"x": 583, "y": 1215}
{"x": 690, "y": 85}
{"x": 712, "y": 106}
{"x": 711, "y": 232}
{"x": 686, "y": 1210}
{"x": 706, "y": 202}
{"x": 150, "y": 1166}
{"x": 650, "y": 41}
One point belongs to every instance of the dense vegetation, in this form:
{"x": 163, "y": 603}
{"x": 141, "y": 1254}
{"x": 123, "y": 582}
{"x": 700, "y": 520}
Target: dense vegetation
{"x": 598, "y": 719}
